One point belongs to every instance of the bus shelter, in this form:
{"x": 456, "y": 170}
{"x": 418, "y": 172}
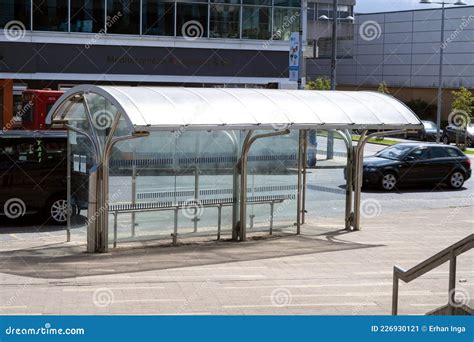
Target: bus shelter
{"x": 178, "y": 135}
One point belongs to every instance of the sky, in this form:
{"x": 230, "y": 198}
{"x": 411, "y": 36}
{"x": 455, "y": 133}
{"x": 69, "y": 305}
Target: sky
{"x": 368, "y": 6}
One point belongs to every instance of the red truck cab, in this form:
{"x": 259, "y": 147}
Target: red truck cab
{"x": 35, "y": 107}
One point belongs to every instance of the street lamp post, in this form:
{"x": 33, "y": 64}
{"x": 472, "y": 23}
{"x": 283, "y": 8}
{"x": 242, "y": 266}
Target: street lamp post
{"x": 441, "y": 62}
{"x": 335, "y": 18}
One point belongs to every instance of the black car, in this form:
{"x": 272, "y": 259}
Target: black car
{"x": 450, "y": 132}
{"x": 33, "y": 175}
{"x": 416, "y": 163}
{"x": 427, "y": 133}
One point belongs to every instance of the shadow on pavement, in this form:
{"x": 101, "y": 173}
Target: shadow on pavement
{"x": 29, "y": 224}
{"x": 66, "y": 261}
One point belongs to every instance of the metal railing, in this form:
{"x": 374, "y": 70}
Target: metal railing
{"x": 448, "y": 254}
{"x": 117, "y": 209}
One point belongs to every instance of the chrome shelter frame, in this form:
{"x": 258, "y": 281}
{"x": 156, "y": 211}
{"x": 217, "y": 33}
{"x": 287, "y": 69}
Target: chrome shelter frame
{"x": 141, "y": 110}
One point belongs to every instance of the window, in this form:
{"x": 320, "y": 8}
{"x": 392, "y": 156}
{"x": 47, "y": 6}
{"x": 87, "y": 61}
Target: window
{"x": 50, "y": 15}
{"x": 287, "y": 3}
{"x": 420, "y": 153}
{"x": 286, "y": 20}
{"x": 439, "y": 152}
{"x": 454, "y": 152}
{"x": 257, "y": 2}
{"x": 256, "y": 22}
{"x": 158, "y": 17}
{"x": 87, "y": 16}
{"x": 343, "y": 11}
{"x": 191, "y": 20}
{"x": 123, "y": 16}
{"x": 224, "y": 22}
{"x": 15, "y": 10}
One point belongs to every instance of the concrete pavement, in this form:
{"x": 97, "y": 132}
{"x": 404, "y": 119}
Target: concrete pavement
{"x": 323, "y": 271}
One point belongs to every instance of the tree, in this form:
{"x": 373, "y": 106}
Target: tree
{"x": 321, "y": 83}
{"x": 383, "y": 88}
{"x": 463, "y": 101}
{"x": 462, "y": 110}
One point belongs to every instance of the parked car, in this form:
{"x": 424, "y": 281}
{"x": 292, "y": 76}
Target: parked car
{"x": 427, "y": 133}
{"x": 33, "y": 175}
{"x": 416, "y": 164}
{"x": 450, "y": 132}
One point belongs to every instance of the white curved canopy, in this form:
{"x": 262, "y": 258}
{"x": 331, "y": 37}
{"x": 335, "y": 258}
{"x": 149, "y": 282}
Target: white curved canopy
{"x": 170, "y": 108}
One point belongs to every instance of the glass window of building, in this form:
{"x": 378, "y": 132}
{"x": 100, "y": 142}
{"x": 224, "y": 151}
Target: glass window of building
{"x": 15, "y": 10}
{"x": 226, "y": 1}
{"x": 50, "y": 15}
{"x": 87, "y": 15}
{"x": 123, "y": 16}
{"x": 256, "y": 22}
{"x": 287, "y": 3}
{"x": 324, "y": 9}
{"x": 224, "y": 21}
{"x": 191, "y": 20}
{"x": 158, "y": 17}
{"x": 344, "y": 11}
{"x": 257, "y": 2}
{"x": 285, "y": 21}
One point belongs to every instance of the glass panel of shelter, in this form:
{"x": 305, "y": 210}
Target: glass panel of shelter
{"x": 194, "y": 170}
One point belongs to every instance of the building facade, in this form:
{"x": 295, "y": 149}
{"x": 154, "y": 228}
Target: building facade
{"x": 60, "y": 43}
{"x": 402, "y": 49}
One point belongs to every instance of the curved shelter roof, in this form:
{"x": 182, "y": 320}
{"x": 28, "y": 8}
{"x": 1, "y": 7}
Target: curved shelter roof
{"x": 170, "y": 108}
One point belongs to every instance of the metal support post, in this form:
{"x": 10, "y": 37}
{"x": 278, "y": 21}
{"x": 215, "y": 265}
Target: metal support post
{"x": 346, "y": 136}
{"x": 91, "y": 213}
{"x": 299, "y": 191}
{"x": 305, "y": 164}
{"x": 175, "y": 228}
{"x": 395, "y": 293}
{"x": 249, "y": 140}
{"x": 358, "y": 169}
{"x": 68, "y": 180}
{"x": 219, "y": 220}
{"x": 134, "y": 192}
{"x": 115, "y": 229}
{"x": 196, "y": 198}
{"x": 452, "y": 284}
{"x": 272, "y": 207}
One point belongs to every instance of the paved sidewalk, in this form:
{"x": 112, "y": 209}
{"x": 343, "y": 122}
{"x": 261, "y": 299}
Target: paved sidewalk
{"x": 324, "y": 271}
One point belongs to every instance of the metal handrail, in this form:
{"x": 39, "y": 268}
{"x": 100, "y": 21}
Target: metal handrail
{"x": 448, "y": 254}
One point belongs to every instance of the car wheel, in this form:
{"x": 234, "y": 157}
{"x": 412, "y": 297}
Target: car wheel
{"x": 389, "y": 182}
{"x": 445, "y": 140}
{"x": 57, "y": 210}
{"x": 469, "y": 142}
{"x": 456, "y": 181}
